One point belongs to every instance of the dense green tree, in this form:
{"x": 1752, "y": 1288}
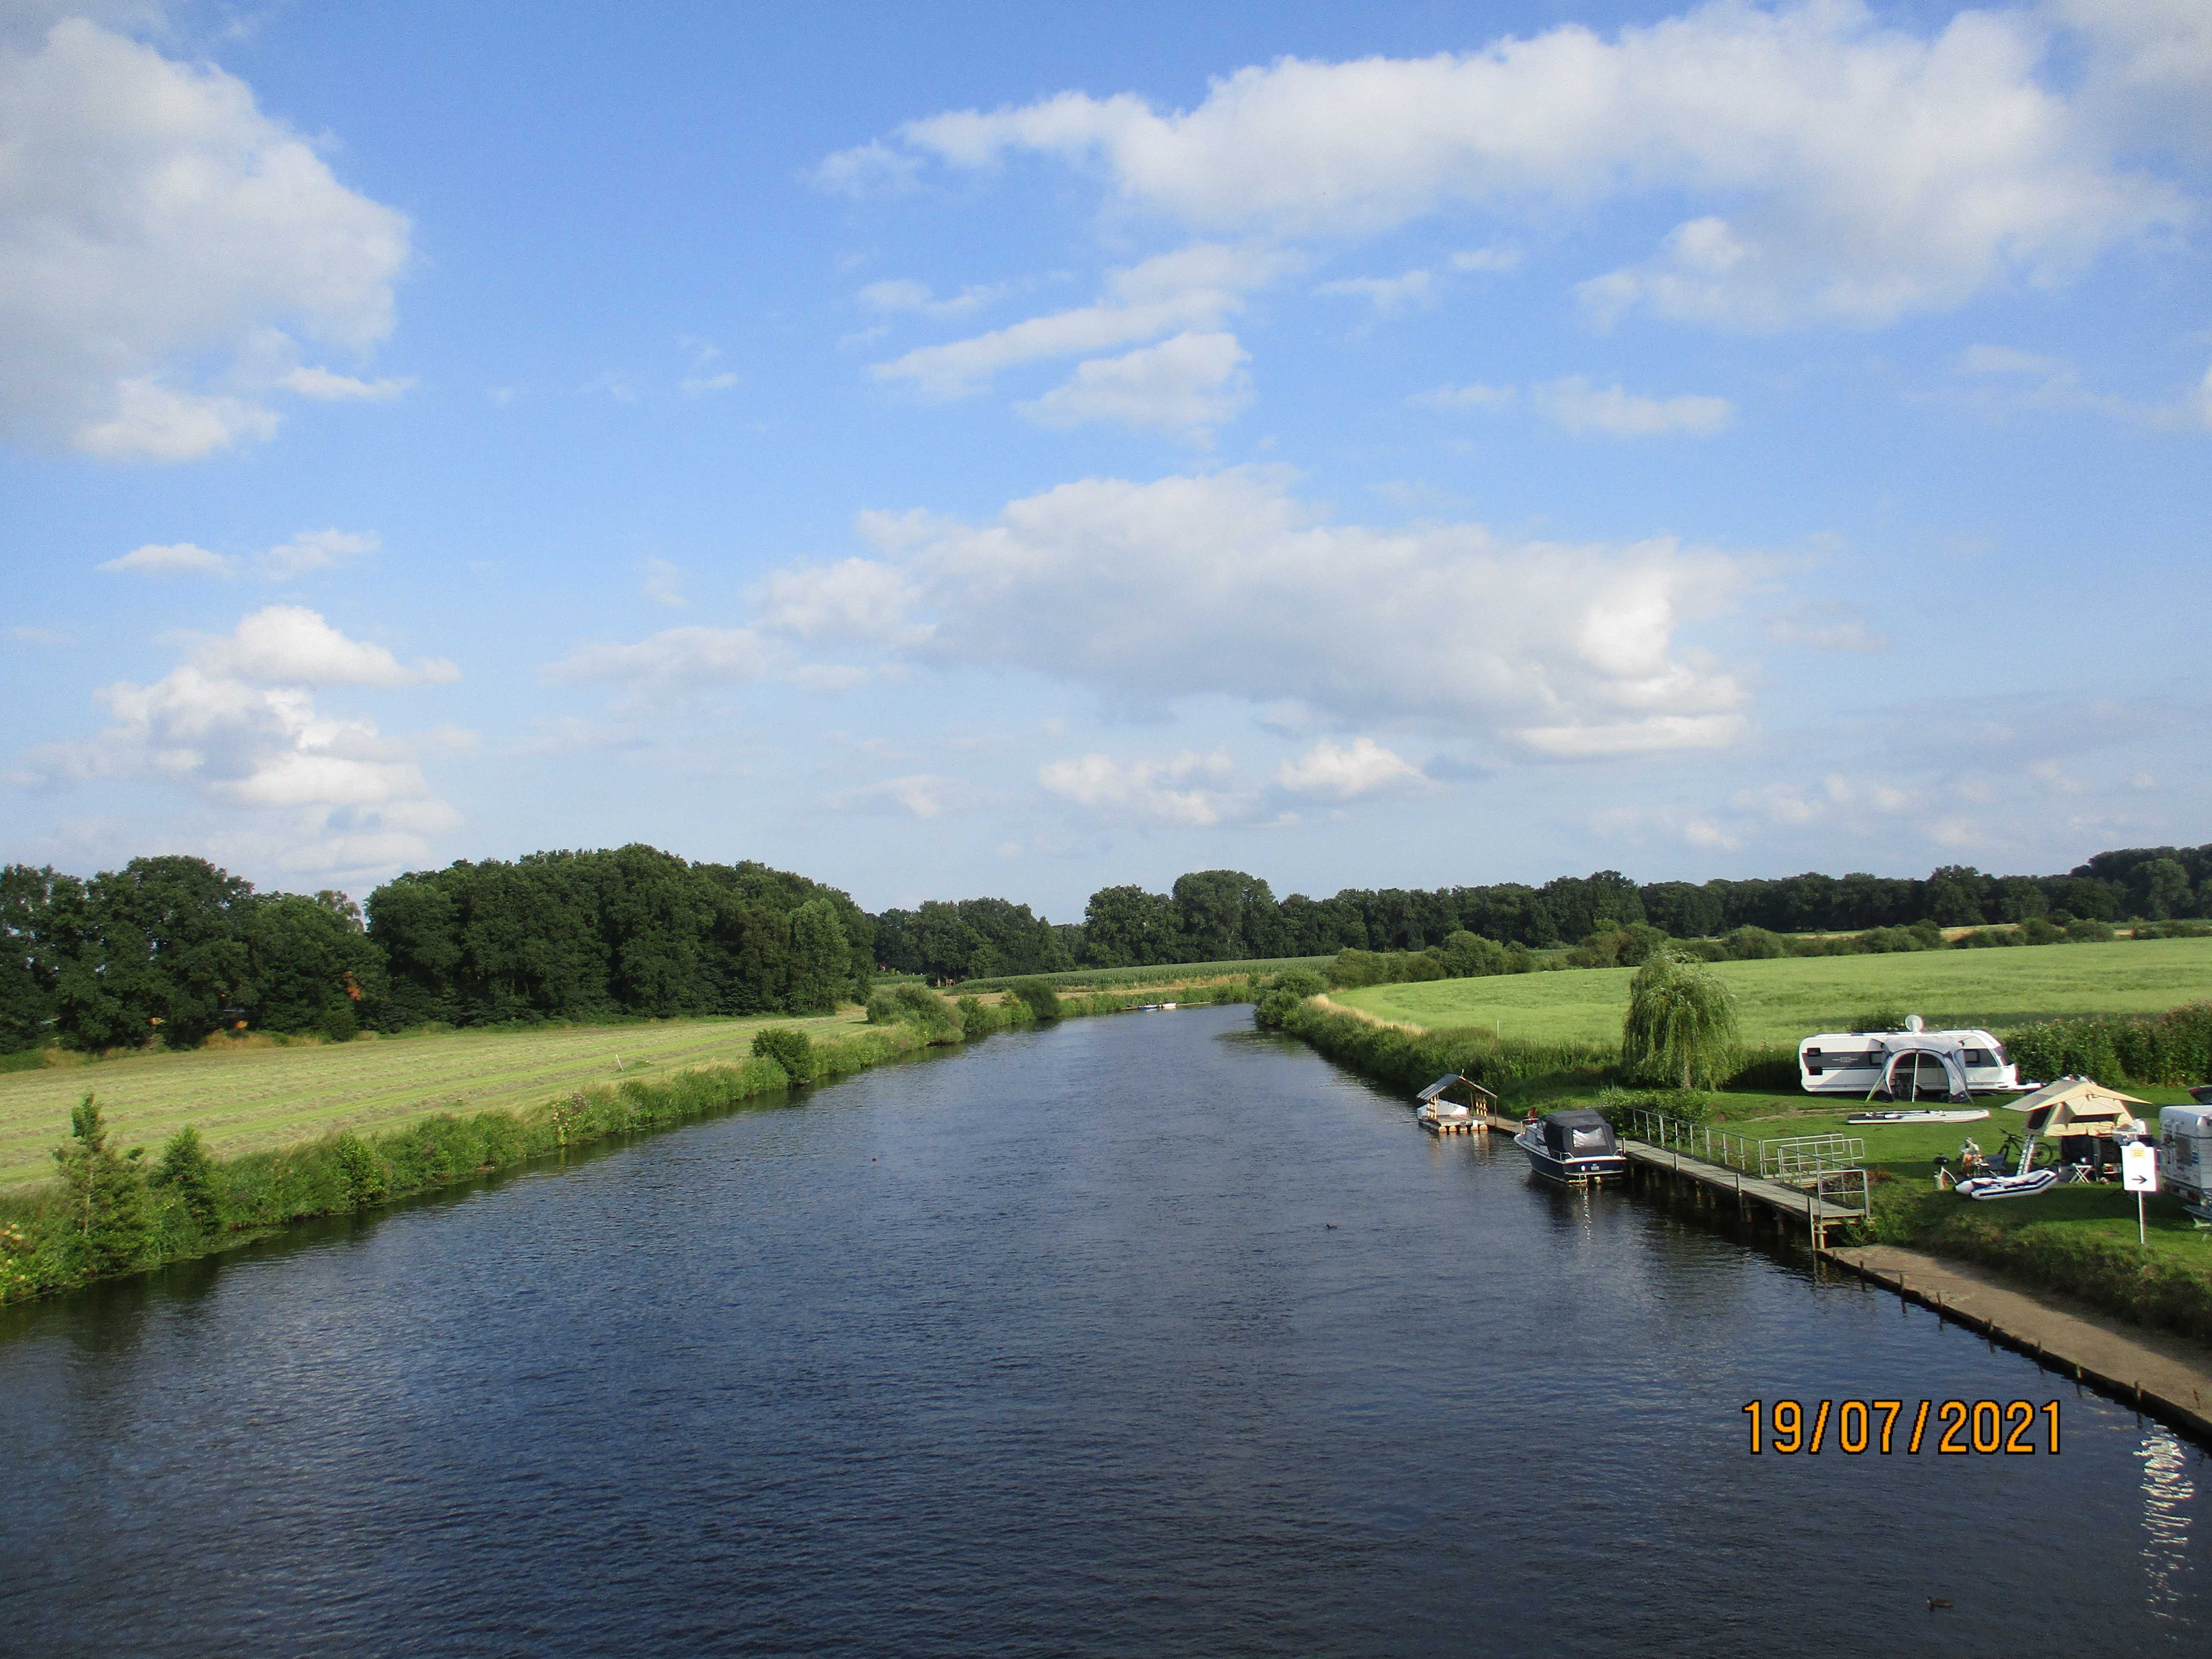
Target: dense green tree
{"x": 36, "y": 906}
{"x": 1681, "y": 1030}
{"x": 2158, "y": 888}
{"x": 310, "y": 969}
{"x": 1955, "y": 896}
{"x": 161, "y": 950}
{"x": 1681, "y": 908}
{"x": 821, "y": 966}
{"x": 187, "y": 1169}
{"x": 1129, "y": 927}
{"x": 106, "y": 1193}
{"x": 1225, "y": 916}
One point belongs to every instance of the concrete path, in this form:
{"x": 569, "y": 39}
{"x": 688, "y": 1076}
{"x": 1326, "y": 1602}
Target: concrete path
{"x": 2168, "y": 1377}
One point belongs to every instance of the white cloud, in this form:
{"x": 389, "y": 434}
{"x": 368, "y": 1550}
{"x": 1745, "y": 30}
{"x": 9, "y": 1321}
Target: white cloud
{"x": 868, "y": 170}
{"x": 1825, "y": 625}
{"x": 1187, "y": 384}
{"x": 904, "y": 295}
{"x": 1575, "y": 405}
{"x": 923, "y": 796}
{"x": 2149, "y": 70}
{"x": 1199, "y": 790}
{"x": 1487, "y": 258}
{"x": 322, "y": 384}
{"x": 1391, "y": 297}
{"x": 291, "y": 644}
{"x": 1228, "y": 585}
{"x": 291, "y": 785}
{"x": 674, "y": 659}
{"x": 2006, "y": 359}
{"x": 663, "y": 584}
{"x": 1866, "y": 172}
{"x": 174, "y": 559}
{"x": 153, "y": 223}
{"x": 1328, "y": 768}
{"x": 1191, "y": 288}
{"x": 317, "y": 549}
{"x": 1474, "y": 396}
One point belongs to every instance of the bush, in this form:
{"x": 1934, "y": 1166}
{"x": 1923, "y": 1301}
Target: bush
{"x": 1283, "y": 993}
{"x": 917, "y": 1005}
{"x": 105, "y": 1196}
{"x": 1755, "y": 945}
{"x": 788, "y": 1047}
{"x": 2037, "y": 931}
{"x": 1037, "y": 996}
{"x": 1683, "y": 1105}
{"x": 366, "y": 1178}
{"x": 187, "y": 1170}
{"x": 2088, "y": 931}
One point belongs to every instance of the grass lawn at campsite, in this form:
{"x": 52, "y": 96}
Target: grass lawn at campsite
{"x": 1790, "y": 998}
{"x": 1906, "y": 1151}
{"x": 253, "y": 1098}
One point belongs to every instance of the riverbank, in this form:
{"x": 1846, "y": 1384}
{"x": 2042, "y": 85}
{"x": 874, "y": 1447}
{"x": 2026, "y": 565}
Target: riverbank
{"x": 2164, "y": 1377}
{"x": 2079, "y": 1243}
{"x": 156, "y": 1211}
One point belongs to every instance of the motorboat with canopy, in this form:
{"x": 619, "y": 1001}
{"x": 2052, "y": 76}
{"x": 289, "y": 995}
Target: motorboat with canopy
{"x": 1574, "y": 1146}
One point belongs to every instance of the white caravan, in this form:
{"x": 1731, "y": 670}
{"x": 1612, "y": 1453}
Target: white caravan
{"x": 2185, "y": 1157}
{"x": 1913, "y": 1064}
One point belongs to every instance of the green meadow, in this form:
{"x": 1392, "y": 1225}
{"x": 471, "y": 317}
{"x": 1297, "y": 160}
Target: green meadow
{"x": 257, "y": 1098}
{"x": 1789, "y": 998}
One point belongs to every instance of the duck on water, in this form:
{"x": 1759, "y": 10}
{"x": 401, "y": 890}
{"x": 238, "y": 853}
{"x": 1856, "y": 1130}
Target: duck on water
{"x": 1574, "y": 1147}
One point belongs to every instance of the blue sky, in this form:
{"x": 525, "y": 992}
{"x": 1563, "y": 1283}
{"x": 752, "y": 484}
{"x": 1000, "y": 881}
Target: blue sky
{"x": 988, "y": 450}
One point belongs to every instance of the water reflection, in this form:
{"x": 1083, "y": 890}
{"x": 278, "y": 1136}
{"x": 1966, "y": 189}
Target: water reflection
{"x": 2169, "y": 1493}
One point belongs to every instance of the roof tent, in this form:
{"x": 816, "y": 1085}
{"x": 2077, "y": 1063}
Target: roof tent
{"x": 2080, "y": 1106}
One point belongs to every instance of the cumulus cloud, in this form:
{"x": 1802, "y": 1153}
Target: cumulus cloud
{"x": 1390, "y": 295}
{"x": 239, "y": 728}
{"x": 1188, "y": 383}
{"x": 1575, "y": 405}
{"x": 174, "y": 559}
{"x": 1837, "y": 170}
{"x": 317, "y": 549}
{"x": 674, "y": 659}
{"x": 923, "y": 795}
{"x": 1342, "y": 772}
{"x": 1229, "y": 584}
{"x": 1191, "y": 289}
{"x": 161, "y": 241}
{"x": 1193, "y": 789}
{"x": 1473, "y": 396}
{"x": 328, "y": 387}
{"x": 292, "y": 645}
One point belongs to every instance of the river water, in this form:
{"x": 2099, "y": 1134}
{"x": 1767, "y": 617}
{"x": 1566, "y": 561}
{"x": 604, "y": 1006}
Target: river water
{"x": 1146, "y": 1335}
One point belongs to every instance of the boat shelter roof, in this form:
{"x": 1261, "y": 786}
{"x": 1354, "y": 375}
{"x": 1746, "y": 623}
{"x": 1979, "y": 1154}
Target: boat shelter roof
{"x": 1441, "y": 1084}
{"x": 2080, "y": 1106}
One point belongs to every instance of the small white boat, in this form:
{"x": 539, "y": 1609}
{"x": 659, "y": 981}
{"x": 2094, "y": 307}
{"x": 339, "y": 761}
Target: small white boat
{"x": 1921, "y": 1115}
{"x": 2008, "y": 1186}
{"x": 1166, "y": 1007}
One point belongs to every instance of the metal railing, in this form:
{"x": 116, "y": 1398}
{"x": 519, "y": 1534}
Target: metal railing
{"x": 1796, "y": 1160}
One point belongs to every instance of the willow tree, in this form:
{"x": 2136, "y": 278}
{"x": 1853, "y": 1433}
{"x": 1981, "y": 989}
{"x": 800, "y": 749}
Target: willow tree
{"x": 1681, "y": 1029}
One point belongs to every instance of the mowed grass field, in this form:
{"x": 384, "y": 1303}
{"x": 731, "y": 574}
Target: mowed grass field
{"x": 252, "y": 1099}
{"x": 1790, "y": 998}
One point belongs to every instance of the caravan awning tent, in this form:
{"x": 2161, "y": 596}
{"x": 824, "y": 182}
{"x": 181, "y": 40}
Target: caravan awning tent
{"x": 2082, "y": 1106}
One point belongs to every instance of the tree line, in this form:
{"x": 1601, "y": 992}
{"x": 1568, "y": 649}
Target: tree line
{"x": 1225, "y": 915}
{"x": 172, "y": 949}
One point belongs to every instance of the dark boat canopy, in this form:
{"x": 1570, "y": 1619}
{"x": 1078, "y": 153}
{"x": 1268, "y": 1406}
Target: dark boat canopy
{"x": 1577, "y": 1135}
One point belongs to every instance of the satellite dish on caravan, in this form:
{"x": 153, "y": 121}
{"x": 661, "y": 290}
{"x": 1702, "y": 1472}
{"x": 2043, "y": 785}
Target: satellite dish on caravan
{"x": 1914, "y": 1023}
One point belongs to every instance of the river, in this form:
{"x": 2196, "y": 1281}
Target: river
{"x": 1140, "y": 1335}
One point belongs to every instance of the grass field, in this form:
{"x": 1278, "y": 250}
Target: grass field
{"x": 253, "y": 1099}
{"x": 1790, "y": 998}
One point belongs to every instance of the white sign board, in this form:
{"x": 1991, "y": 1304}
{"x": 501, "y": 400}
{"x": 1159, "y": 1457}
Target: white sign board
{"x": 2139, "y": 1166}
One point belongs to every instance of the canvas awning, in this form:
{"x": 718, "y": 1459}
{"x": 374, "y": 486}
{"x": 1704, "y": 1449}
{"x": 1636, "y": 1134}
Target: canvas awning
{"x": 2082, "y": 1106}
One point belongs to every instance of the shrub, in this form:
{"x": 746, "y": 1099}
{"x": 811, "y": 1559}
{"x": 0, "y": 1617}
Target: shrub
{"x": 788, "y": 1047}
{"x": 1682, "y": 1026}
{"x": 1285, "y": 991}
{"x": 1683, "y": 1105}
{"x": 917, "y": 1005}
{"x": 187, "y": 1170}
{"x": 1755, "y": 945}
{"x": 105, "y": 1195}
{"x": 363, "y": 1171}
{"x": 2037, "y": 931}
{"x": 1037, "y": 996}
{"x": 2088, "y": 931}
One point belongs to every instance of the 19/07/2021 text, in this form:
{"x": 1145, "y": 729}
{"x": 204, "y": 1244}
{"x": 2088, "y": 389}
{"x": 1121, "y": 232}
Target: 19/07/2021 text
{"x": 1854, "y": 1426}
